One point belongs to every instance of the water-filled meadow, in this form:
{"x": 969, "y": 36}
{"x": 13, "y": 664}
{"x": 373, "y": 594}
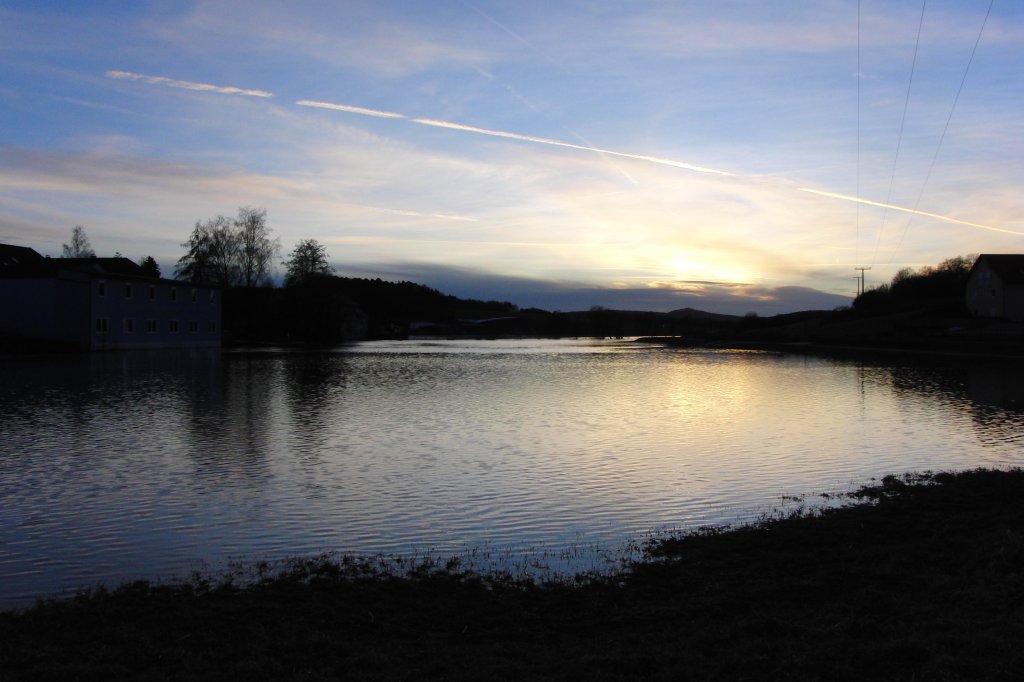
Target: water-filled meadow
{"x": 117, "y": 466}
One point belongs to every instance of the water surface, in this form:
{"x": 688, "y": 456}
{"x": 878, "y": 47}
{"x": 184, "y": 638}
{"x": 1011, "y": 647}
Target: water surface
{"x": 150, "y": 464}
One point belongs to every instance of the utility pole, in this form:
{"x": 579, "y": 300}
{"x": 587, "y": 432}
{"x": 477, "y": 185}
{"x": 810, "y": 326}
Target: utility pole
{"x": 860, "y": 280}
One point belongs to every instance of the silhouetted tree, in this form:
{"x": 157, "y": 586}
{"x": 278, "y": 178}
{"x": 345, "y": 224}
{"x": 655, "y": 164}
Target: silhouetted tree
{"x": 210, "y": 257}
{"x": 150, "y": 265}
{"x": 309, "y": 259}
{"x": 910, "y": 287}
{"x": 79, "y": 246}
{"x": 227, "y": 253}
{"x": 256, "y": 249}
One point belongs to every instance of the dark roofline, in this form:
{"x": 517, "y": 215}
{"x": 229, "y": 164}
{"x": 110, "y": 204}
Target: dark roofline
{"x": 118, "y": 265}
{"x": 1008, "y": 266}
{"x": 22, "y": 261}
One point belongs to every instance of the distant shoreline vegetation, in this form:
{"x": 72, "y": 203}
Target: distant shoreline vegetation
{"x": 921, "y": 310}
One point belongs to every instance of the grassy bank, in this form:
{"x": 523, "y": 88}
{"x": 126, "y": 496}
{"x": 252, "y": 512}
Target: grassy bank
{"x": 924, "y": 579}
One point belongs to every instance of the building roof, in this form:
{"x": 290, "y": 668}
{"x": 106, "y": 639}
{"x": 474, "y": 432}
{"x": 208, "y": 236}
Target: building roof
{"x": 21, "y": 261}
{"x": 1008, "y": 266}
{"x": 103, "y": 266}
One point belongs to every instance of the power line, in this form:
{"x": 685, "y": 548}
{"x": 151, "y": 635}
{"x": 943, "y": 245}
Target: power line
{"x": 860, "y": 76}
{"x": 899, "y": 139}
{"x": 945, "y": 128}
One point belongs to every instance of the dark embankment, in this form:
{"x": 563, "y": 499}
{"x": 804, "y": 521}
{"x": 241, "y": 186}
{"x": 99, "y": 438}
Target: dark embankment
{"x": 923, "y": 580}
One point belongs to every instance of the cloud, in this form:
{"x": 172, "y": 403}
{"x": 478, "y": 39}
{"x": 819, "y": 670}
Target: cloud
{"x": 123, "y": 192}
{"x": 722, "y": 297}
{"x": 449, "y": 125}
{"x": 355, "y": 37}
{"x": 186, "y": 85}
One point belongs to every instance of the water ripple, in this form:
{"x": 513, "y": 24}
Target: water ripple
{"x": 146, "y": 464}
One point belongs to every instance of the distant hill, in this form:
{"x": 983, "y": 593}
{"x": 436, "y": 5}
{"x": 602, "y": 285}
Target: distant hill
{"x": 694, "y": 314}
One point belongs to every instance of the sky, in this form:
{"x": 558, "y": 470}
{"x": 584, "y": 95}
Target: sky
{"x": 733, "y": 156}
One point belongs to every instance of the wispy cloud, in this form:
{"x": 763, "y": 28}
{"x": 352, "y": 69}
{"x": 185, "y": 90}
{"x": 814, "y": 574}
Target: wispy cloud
{"x": 187, "y": 85}
{"x": 354, "y": 36}
{"x": 449, "y": 125}
{"x": 460, "y": 127}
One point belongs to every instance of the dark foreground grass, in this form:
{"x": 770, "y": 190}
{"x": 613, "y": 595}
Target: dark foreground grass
{"x": 924, "y": 580}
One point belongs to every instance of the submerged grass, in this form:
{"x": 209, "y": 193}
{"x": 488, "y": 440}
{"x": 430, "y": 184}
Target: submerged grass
{"x": 923, "y": 578}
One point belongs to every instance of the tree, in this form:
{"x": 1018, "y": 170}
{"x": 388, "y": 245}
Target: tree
{"x": 79, "y": 246}
{"x": 151, "y": 267}
{"x": 307, "y": 260}
{"x": 211, "y": 256}
{"x": 226, "y": 253}
{"x": 255, "y": 247}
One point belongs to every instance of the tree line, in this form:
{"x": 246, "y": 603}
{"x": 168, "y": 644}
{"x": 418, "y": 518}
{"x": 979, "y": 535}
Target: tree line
{"x": 227, "y": 253}
{"x": 314, "y": 305}
{"x": 240, "y": 253}
{"x": 911, "y": 287}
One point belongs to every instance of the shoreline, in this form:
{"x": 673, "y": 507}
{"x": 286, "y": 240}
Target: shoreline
{"x": 844, "y": 350}
{"x": 922, "y": 577}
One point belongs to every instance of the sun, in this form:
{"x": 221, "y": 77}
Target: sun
{"x": 691, "y": 269}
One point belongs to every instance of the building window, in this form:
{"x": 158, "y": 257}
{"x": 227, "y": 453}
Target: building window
{"x": 211, "y": 295}
{"x": 195, "y": 294}
{"x": 127, "y": 290}
{"x": 129, "y": 325}
{"x": 211, "y": 327}
{"x": 193, "y": 326}
{"x": 101, "y": 325}
{"x": 151, "y": 326}
{"x": 101, "y": 289}
{"x": 152, "y": 292}
{"x": 172, "y": 326}
{"x": 174, "y": 294}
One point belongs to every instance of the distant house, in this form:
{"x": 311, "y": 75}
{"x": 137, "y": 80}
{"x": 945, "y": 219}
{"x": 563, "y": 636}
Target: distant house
{"x": 102, "y": 303}
{"x": 995, "y": 287}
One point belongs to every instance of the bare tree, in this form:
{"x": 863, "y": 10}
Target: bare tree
{"x": 307, "y": 260}
{"x": 256, "y": 249}
{"x": 79, "y": 246}
{"x": 212, "y": 254}
{"x": 229, "y": 253}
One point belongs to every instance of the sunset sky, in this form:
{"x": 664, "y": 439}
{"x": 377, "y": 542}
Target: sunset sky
{"x": 730, "y": 155}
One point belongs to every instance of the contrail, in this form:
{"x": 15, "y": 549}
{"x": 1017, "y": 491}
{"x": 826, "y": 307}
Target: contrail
{"x": 414, "y": 214}
{"x": 569, "y": 145}
{"x": 868, "y": 202}
{"x": 640, "y": 157}
{"x": 515, "y": 93}
{"x": 362, "y": 111}
{"x": 187, "y": 85}
{"x": 349, "y": 109}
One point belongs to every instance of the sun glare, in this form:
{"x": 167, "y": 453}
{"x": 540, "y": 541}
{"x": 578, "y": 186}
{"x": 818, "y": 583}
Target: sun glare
{"x": 687, "y": 269}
